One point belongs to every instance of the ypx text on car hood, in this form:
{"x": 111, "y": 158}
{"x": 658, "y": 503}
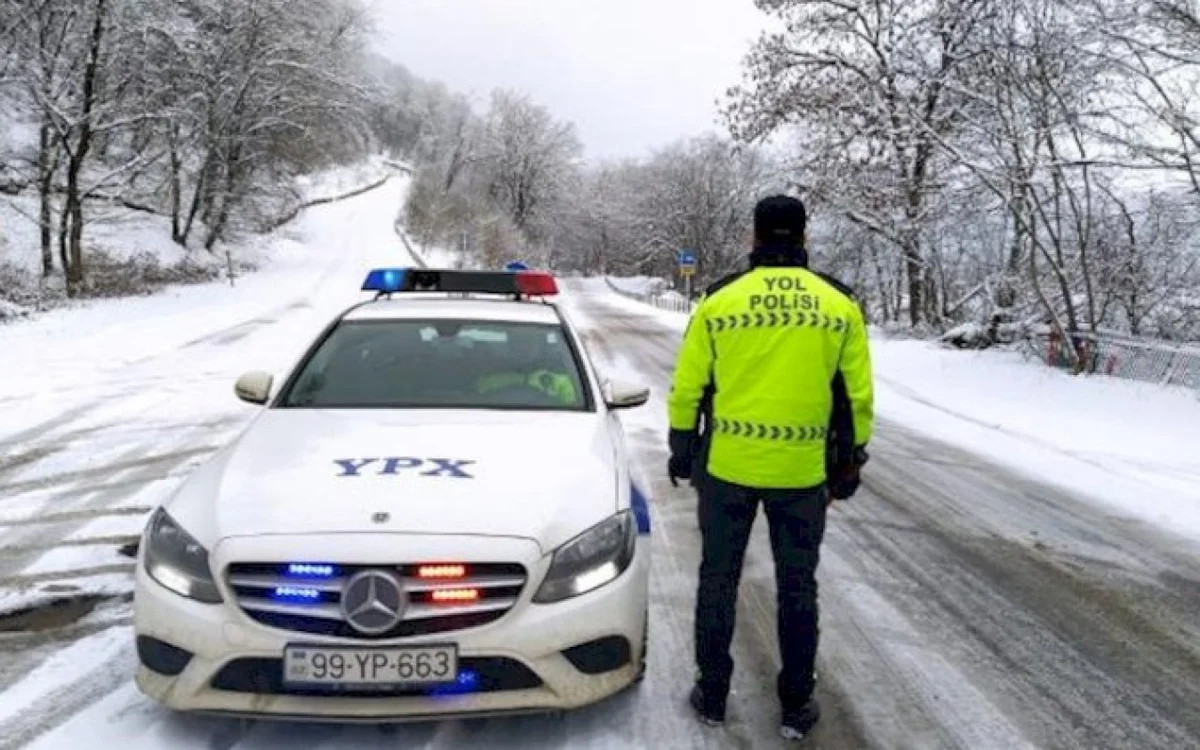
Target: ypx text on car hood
{"x": 542, "y": 476}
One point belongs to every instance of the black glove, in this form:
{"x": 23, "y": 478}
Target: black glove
{"x": 845, "y": 473}
{"x": 683, "y": 455}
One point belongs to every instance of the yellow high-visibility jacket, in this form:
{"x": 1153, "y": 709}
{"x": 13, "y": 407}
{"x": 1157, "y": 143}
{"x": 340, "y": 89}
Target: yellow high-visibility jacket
{"x": 767, "y": 346}
{"x": 554, "y": 384}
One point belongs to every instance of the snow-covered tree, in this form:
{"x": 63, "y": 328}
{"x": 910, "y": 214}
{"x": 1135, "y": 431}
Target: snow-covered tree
{"x": 528, "y": 158}
{"x": 697, "y": 194}
{"x": 864, "y": 86}
{"x": 1004, "y": 162}
{"x": 254, "y": 91}
{"x": 198, "y": 109}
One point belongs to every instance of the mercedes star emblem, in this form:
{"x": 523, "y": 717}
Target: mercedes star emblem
{"x": 373, "y": 602}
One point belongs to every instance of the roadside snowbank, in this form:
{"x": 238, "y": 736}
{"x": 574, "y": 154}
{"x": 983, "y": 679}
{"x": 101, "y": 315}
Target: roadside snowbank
{"x": 130, "y": 252}
{"x": 1134, "y": 447}
{"x": 676, "y": 320}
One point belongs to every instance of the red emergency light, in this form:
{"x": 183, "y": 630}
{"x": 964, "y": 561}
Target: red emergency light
{"x": 441, "y": 572}
{"x": 455, "y": 596}
{"x": 536, "y": 284}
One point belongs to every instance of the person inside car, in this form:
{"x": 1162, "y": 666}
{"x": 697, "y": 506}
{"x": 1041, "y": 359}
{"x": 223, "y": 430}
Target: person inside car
{"x": 531, "y": 367}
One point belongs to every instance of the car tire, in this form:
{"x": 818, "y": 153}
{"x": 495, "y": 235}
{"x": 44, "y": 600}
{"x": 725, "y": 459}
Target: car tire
{"x": 641, "y": 673}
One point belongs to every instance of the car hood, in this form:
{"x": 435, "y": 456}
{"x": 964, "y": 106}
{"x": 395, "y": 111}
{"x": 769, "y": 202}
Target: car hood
{"x": 545, "y": 477}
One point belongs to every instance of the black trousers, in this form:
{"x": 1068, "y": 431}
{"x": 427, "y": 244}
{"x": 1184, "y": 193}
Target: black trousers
{"x": 797, "y": 525}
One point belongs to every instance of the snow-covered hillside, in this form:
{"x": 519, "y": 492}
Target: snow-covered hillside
{"x": 133, "y": 248}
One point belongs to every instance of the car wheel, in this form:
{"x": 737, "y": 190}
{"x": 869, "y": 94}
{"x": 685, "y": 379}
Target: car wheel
{"x": 641, "y": 673}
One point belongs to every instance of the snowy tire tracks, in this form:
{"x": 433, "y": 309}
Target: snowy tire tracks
{"x": 75, "y": 487}
{"x": 967, "y": 606}
{"x": 73, "y": 691}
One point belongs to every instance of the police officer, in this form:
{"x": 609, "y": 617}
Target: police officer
{"x": 534, "y": 368}
{"x": 775, "y": 370}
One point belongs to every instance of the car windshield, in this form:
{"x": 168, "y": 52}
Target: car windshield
{"x": 439, "y": 364}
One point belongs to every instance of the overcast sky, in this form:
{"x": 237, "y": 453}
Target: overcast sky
{"x": 631, "y": 74}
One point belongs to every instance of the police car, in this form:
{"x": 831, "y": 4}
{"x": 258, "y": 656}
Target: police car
{"x": 433, "y": 516}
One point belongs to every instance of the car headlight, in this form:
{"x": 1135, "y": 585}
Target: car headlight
{"x": 590, "y": 560}
{"x": 177, "y": 561}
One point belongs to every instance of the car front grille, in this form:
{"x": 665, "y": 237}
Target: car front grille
{"x": 274, "y": 595}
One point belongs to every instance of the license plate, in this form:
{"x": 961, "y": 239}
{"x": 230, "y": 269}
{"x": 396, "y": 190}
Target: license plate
{"x": 356, "y": 667}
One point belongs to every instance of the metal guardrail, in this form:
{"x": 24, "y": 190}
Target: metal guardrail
{"x": 298, "y": 209}
{"x": 417, "y": 257}
{"x": 1121, "y": 357}
{"x": 669, "y": 302}
{"x": 1103, "y": 354}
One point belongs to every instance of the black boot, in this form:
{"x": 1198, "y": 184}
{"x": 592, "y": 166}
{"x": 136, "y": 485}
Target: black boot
{"x": 797, "y": 724}
{"x": 710, "y": 709}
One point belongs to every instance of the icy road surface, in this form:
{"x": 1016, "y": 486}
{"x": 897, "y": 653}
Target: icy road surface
{"x": 964, "y": 606}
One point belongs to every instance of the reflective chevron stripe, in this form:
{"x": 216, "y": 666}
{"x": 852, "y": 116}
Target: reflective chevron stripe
{"x": 757, "y": 431}
{"x": 821, "y": 321}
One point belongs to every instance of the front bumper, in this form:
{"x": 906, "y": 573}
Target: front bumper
{"x": 215, "y": 658}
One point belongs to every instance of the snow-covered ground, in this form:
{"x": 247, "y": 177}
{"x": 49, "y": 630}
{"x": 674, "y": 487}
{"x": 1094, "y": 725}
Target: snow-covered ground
{"x": 435, "y": 256}
{"x": 650, "y": 289}
{"x": 341, "y": 180}
{"x": 1133, "y": 446}
{"x": 668, "y": 317}
{"x": 1008, "y": 571}
{"x": 108, "y": 407}
{"x": 1057, "y": 627}
{"x": 120, "y": 233}
{"x": 83, "y": 389}
{"x": 639, "y": 284}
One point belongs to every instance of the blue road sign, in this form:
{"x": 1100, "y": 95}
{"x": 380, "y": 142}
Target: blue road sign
{"x": 687, "y": 258}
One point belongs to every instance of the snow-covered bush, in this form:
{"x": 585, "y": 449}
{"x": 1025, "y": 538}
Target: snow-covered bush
{"x": 21, "y": 292}
{"x": 142, "y": 273}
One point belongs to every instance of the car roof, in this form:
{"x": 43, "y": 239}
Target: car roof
{"x": 436, "y": 306}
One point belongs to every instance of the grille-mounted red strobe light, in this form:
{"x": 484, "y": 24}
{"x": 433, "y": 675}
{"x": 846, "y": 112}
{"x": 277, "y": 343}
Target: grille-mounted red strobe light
{"x": 441, "y": 572}
{"x": 455, "y": 596}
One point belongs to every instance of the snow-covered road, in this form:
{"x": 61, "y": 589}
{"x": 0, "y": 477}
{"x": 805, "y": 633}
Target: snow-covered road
{"x": 964, "y": 605}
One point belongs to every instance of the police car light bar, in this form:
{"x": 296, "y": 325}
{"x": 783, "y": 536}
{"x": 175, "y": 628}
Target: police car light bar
{"x": 411, "y": 280}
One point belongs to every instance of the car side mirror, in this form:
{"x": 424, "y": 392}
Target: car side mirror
{"x": 254, "y": 387}
{"x": 618, "y": 395}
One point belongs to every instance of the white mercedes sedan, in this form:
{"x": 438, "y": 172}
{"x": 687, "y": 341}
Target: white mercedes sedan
{"x": 433, "y": 515}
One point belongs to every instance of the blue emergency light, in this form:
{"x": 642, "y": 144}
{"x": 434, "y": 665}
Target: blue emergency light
{"x": 296, "y": 594}
{"x": 516, "y": 282}
{"x": 467, "y": 681}
{"x": 310, "y": 570}
{"x": 385, "y": 280}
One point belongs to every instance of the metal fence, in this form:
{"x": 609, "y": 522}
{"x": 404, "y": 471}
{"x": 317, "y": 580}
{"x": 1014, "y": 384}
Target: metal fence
{"x": 1121, "y": 357}
{"x": 672, "y": 302}
{"x": 1103, "y": 354}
